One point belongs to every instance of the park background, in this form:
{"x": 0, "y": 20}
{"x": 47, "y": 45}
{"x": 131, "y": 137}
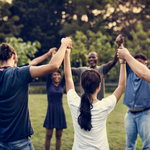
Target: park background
{"x": 32, "y": 27}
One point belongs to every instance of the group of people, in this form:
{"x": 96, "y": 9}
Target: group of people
{"x": 89, "y": 112}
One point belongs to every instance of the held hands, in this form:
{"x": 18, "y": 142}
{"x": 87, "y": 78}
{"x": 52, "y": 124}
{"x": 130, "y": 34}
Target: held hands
{"x": 122, "y": 52}
{"x": 119, "y": 40}
{"x": 52, "y": 51}
{"x": 67, "y": 41}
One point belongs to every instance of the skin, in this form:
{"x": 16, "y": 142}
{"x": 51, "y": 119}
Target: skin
{"x": 138, "y": 68}
{"x": 49, "y": 132}
{"x": 70, "y": 85}
{"x": 56, "y": 78}
{"x": 93, "y": 56}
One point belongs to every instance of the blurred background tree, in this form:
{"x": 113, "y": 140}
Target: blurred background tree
{"x": 7, "y": 22}
{"x": 92, "y": 24}
{"x": 25, "y": 50}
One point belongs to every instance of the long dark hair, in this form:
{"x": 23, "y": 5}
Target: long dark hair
{"x": 90, "y": 80}
{"x": 6, "y": 51}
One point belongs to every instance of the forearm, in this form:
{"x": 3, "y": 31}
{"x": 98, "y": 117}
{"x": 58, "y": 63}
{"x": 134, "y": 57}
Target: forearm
{"x": 68, "y": 74}
{"x": 38, "y": 71}
{"x": 139, "y": 69}
{"x": 122, "y": 77}
{"x": 38, "y": 60}
{"x": 122, "y": 82}
{"x": 113, "y": 62}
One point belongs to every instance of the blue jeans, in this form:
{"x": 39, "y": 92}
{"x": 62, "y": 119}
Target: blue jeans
{"x": 23, "y": 144}
{"x": 137, "y": 123}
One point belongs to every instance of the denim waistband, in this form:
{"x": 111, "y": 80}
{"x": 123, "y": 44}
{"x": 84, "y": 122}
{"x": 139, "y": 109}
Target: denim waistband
{"x": 138, "y": 110}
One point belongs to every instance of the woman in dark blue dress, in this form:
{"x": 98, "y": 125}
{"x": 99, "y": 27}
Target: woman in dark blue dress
{"x": 55, "y": 117}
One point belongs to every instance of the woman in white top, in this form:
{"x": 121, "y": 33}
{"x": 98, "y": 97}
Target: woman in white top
{"x": 89, "y": 114}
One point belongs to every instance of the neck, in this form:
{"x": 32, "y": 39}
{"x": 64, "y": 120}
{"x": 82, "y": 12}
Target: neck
{"x": 9, "y": 62}
{"x": 55, "y": 83}
{"x": 94, "y": 97}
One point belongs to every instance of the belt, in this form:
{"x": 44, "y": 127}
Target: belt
{"x": 138, "y": 110}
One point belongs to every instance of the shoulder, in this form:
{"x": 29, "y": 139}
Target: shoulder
{"x": 110, "y": 101}
{"x": 72, "y": 96}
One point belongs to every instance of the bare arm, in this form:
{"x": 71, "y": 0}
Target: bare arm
{"x": 119, "y": 42}
{"x": 67, "y": 70}
{"x": 38, "y": 71}
{"x": 38, "y": 60}
{"x": 139, "y": 69}
{"x": 122, "y": 81}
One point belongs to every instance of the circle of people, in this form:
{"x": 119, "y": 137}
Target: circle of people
{"x": 89, "y": 112}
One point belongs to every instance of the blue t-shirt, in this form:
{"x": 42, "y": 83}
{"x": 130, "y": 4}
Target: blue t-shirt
{"x": 14, "y": 113}
{"x": 137, "y": 91}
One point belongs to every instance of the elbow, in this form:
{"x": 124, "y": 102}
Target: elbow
{"x": 54, "y": 68}
{"x": 143, "y": 75}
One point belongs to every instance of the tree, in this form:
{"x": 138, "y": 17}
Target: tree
{"x": 7, "y": 22}
{"x": 140, "y": 42}
{"x": 25, "y": 50}
{"x": 41, "y": 20}
{"x": 85, "y": 43}
{"x": 83, "y": 15}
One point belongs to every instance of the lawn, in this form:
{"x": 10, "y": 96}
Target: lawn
{"x": 115, "y": 125}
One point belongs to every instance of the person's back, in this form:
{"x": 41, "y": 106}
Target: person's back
{"x": 97, "y": 136}
{"x": 14, "y": 103}
{"x": 88, "y": 113}
{"x": 15, "y": 125}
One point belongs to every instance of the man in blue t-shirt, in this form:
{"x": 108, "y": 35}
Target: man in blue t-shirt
{"x": 137, "y": 99}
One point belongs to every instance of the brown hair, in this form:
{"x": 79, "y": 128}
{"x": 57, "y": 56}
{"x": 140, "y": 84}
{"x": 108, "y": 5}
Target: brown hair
{"x": 6, "y": 51}
{"x": 140, "y": 55}
{"x": 90, "y": 80}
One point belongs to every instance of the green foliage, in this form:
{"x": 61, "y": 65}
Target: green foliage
{"x": 25, "y": 50}
{"x": 85, "y": 43}
{"x": 140, "y": 42}
{"x": 7, "y": 22}
{"x": 41, "y": 20}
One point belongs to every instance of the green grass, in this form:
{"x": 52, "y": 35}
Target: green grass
{"x": 115, "y": 125}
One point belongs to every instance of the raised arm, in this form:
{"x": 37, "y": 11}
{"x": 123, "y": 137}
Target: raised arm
{"x": 67, "y": 71}
{"x": 38, "y": 60}
{"x": 38, "y": 71}
{"x": 119, "y": 42}
{"x": 139, "y": 69}
{"x": 122, "y": 81}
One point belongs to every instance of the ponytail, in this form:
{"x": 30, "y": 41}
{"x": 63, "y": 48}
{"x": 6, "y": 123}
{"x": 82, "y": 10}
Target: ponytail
{"x": 90, "y": 80}
{"x": 84, "y": 118}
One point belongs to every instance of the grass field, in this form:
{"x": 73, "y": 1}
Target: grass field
{"x": 115, "y": 125}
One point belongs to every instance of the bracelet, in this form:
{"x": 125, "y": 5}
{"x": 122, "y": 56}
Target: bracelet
{"x": 122, "y": 63}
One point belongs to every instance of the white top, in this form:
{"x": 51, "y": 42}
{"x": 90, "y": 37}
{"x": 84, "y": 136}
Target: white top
{"x": 96, "y": 139}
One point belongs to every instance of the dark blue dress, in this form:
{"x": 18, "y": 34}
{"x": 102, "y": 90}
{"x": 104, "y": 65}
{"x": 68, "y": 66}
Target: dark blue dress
{"x": 55, "y": 117}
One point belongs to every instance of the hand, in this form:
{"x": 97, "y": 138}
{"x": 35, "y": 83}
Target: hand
{"x": 52, "y": 51}
{"x": 122, "y": 61}
{"x": 68, "y": 50}
{"x": 122, "y": 52}
{"x": 67, "y": 41}
{"x": 119, "y": 40}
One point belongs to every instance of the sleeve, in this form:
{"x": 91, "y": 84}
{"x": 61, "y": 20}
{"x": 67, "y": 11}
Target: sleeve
{"x": 103, "y": 69}
{"x": 62, "y": 82}
{"x": 23, "y": 74}
{"x": 48, "y": 81}
{"x": 128, "y": 69}
{"x": 76, "y": 71}
{"x": 72, "y": 97}
{"x": 109, "y": 103}
{"x": 27, "y": 64}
